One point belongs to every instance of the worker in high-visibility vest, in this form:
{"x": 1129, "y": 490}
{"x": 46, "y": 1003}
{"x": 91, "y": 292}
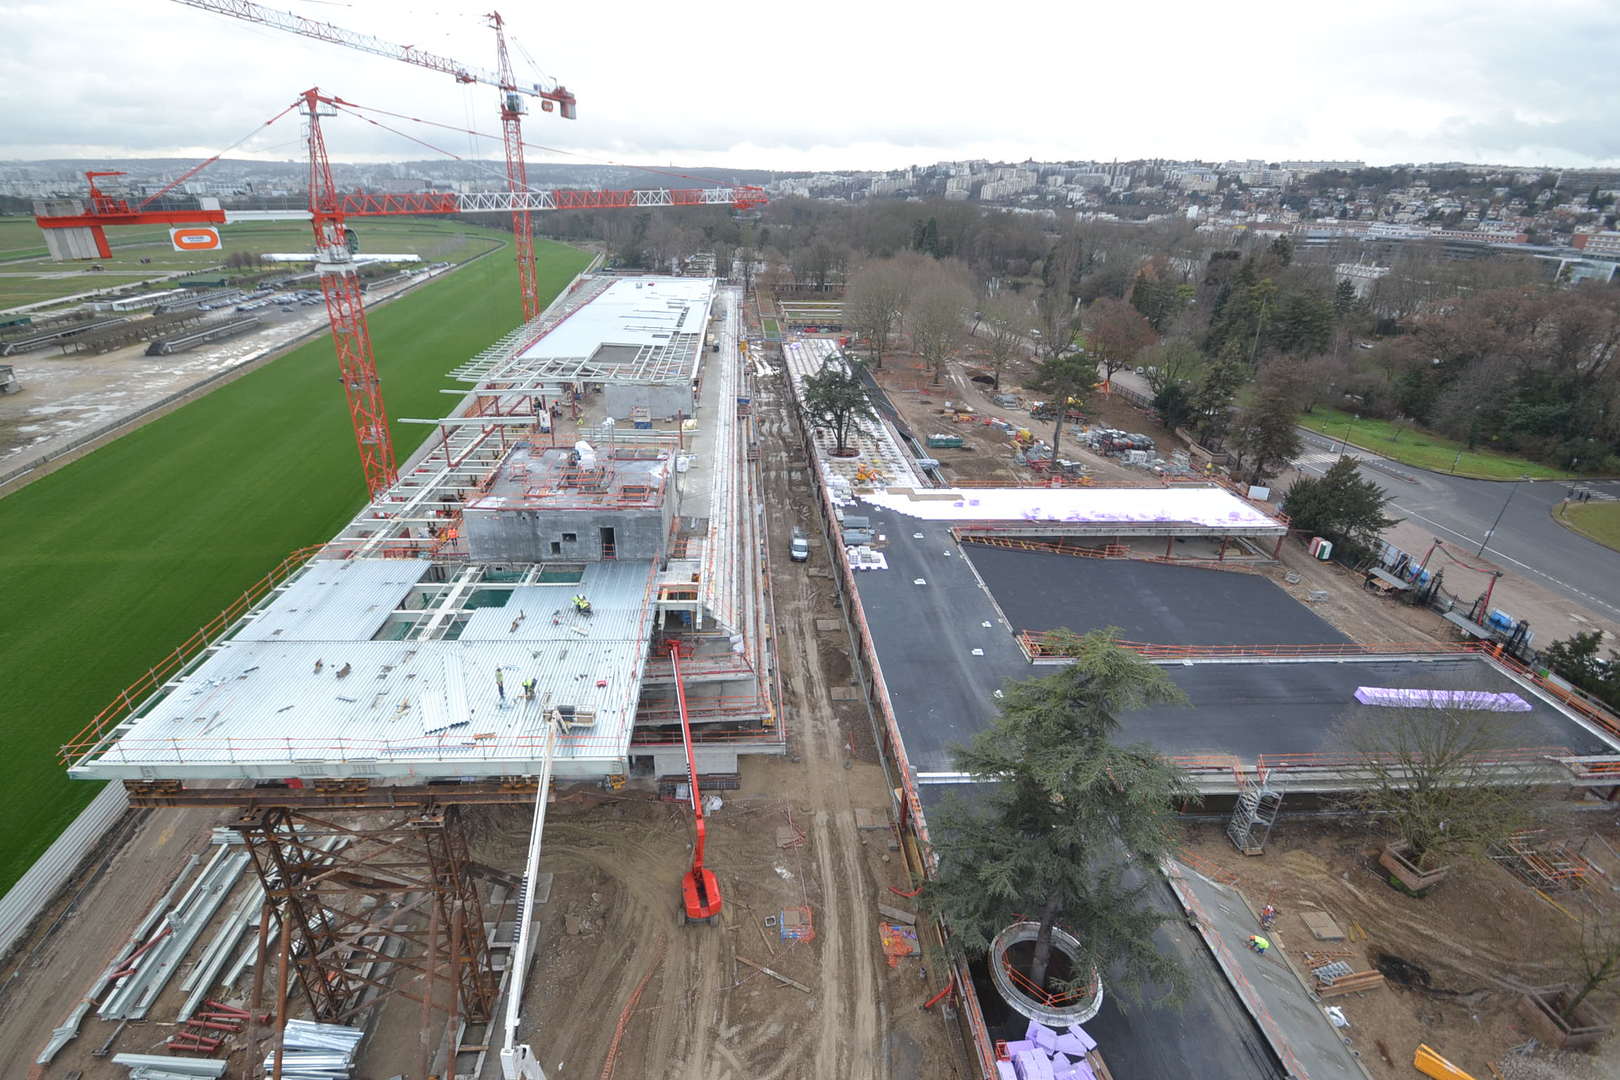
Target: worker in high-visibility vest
{"x": 1259, "y": 944}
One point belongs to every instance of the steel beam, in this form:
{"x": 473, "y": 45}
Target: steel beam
{"x": 401, "y": 891}
{"x": 348, "y": 794}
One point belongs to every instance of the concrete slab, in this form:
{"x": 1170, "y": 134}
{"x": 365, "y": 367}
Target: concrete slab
{"x": 1209, "y": 1036}
{"x": 1321, "y": 925}
{"x": 942, "y": 692}
{"x": 1179, "y": 605}
{"x": 1299, "y": 1032}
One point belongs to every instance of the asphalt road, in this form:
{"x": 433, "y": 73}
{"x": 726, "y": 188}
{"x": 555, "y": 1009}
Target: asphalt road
{"x": 1460, "y": 512}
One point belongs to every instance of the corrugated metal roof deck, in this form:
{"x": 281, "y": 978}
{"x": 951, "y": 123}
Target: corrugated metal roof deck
{"x": 336, "y": 599}
{"x": 358, "y": 707}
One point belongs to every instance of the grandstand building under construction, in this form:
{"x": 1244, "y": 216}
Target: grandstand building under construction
{"x": 600, "y": 453}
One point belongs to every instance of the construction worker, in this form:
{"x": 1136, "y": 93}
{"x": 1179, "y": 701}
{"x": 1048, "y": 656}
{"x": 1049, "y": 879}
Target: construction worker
{"x": 582, "y": 605}
{"x": 528, "y": 689}
{"x": 1259, "y": 944}
{"x": 500, "y": 685}
{"x": 1268, "y": 915}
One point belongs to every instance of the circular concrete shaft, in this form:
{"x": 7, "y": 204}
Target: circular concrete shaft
{"x": 1076, "y": 1011}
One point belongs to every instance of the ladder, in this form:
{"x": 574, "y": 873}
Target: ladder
{"x": 1252, "y": 818}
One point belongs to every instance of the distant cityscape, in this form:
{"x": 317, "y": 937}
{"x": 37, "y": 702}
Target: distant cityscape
{"x": 1315, "y": 201}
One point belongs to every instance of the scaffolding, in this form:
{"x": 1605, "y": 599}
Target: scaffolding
{"x": 1254, "y": 815}
{"x": 394, "y": 912}
{"x": 1551, "y": 866}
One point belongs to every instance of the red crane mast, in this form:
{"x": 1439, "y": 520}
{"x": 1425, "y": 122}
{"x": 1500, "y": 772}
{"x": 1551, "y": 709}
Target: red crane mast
{"x": 346, "y": 310}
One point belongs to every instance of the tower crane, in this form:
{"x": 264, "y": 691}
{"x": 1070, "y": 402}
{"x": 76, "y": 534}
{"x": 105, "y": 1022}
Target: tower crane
{"x": 68, "y": 232}
{"x": 511, "y": 99}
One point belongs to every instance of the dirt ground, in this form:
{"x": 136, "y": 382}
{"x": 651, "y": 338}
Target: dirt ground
{"x": 1450, "y": 960}
{"x": 987, "y": 457}
{"x": 620, "y": 987}
{"x": 613, "y": 947}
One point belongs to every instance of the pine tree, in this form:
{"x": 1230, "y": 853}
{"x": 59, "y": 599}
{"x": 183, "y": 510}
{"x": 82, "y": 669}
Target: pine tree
{"x": 1340, "y": 505}
{"x": 835, "y": 401}
{"x": 1068, "y": 826}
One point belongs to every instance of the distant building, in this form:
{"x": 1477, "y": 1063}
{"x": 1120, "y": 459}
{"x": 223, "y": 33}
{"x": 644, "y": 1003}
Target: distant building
{"x": 1597, "y": 243}
{"x": 1360, "y": 276}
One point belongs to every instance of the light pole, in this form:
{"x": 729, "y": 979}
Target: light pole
{"x": 1345, "y": 439}
{"x": 1514, "y": 490}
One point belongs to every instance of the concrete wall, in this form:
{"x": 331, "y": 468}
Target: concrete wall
{"x": 710, "y": 759}
{"x": 663, "y": 399}
{"x": 527, "y": 535}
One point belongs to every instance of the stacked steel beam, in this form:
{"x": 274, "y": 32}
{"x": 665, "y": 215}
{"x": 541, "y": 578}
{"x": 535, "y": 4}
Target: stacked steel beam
{"x": 315, "y": 1051}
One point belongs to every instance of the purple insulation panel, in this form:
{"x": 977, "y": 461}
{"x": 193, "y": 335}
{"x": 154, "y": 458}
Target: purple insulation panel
{"x": 1085, "y": 1040}
{"x": 1072, "y": 1046}
{"x": 1440, "y": 699}
{"x": 1005, "y": 1071}
{"x": 1033, "y": 1065}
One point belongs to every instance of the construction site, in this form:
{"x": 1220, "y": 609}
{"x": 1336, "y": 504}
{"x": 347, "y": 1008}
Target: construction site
{"x": 558, "y": 760}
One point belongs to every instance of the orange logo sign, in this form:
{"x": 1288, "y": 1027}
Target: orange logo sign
{"x": 195, "y": 238}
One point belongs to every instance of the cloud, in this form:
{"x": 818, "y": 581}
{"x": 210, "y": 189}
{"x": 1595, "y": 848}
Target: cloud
{"x": 869, "y": 84}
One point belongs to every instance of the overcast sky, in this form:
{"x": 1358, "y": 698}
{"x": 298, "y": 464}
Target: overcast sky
{"x": 829, "y": 85}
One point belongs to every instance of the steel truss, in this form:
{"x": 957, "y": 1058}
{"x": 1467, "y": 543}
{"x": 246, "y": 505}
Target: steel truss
{"x": 395, "y": 912}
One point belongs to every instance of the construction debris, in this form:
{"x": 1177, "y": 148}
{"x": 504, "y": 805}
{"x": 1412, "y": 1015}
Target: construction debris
{"x": 1043, "y": 1054}
{"x": 1352, "y": 983}
{"x": 313, "y": 1051}
{"x": 777, "y": 975}
{"x": 154, "y": 1067}
{"x": 1551, "y": 866}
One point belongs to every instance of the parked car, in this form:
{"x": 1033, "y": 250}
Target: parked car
{"x": 799, "y": 546}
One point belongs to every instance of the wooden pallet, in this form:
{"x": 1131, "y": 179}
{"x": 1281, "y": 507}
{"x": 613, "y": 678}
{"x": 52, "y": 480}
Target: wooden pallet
{"x": 1351, "y": 984}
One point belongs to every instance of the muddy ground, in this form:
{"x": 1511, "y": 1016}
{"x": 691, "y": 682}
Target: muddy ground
{"x": 1450, "y": 960}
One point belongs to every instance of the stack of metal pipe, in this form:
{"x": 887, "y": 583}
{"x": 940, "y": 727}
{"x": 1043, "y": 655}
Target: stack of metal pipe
{"x": 313, "y": 1051}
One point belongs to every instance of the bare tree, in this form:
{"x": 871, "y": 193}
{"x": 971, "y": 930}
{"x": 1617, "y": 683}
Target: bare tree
{"x": 1006, "y": 320}
{"x": 876, "y": 298}
{"x": 1434, "y": 775}
{"x": 1595, "y": 962}
{"x": 1115, "y": 332}
{"x": 939, "y": 315}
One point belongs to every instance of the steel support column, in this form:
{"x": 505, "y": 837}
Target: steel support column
{"x": 369, "y": 918}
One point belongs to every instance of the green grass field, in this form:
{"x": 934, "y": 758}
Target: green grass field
{"x": 1414, "y": 446}
{"x": 1599, "y": 521}
{"x": 22, "y": 252}
{"x": 115, "y": 559}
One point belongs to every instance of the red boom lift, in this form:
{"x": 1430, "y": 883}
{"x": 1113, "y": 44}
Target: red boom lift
{"x": 700, "y": 892}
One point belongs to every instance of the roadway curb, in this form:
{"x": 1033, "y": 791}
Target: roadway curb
{"x": 1557, "y": 517}
{"x": 1379, "y": 464}
{"x": 1437, "y": 472}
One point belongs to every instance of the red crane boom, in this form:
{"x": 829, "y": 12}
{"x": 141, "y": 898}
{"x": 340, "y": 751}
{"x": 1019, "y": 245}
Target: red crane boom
{"x": 328, "y": 209}
{"x": 512, "y": 108}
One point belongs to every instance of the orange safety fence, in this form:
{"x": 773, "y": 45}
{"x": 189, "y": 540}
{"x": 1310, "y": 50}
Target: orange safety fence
{"x": 1268, "y": 763}
{"x": 1576, "y": 701}
{"x": 155, "y": 676}
{"x": 1041, "y": 995}
{"x": 1207, "y": 868}
{"x": 1034, "y": 643}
